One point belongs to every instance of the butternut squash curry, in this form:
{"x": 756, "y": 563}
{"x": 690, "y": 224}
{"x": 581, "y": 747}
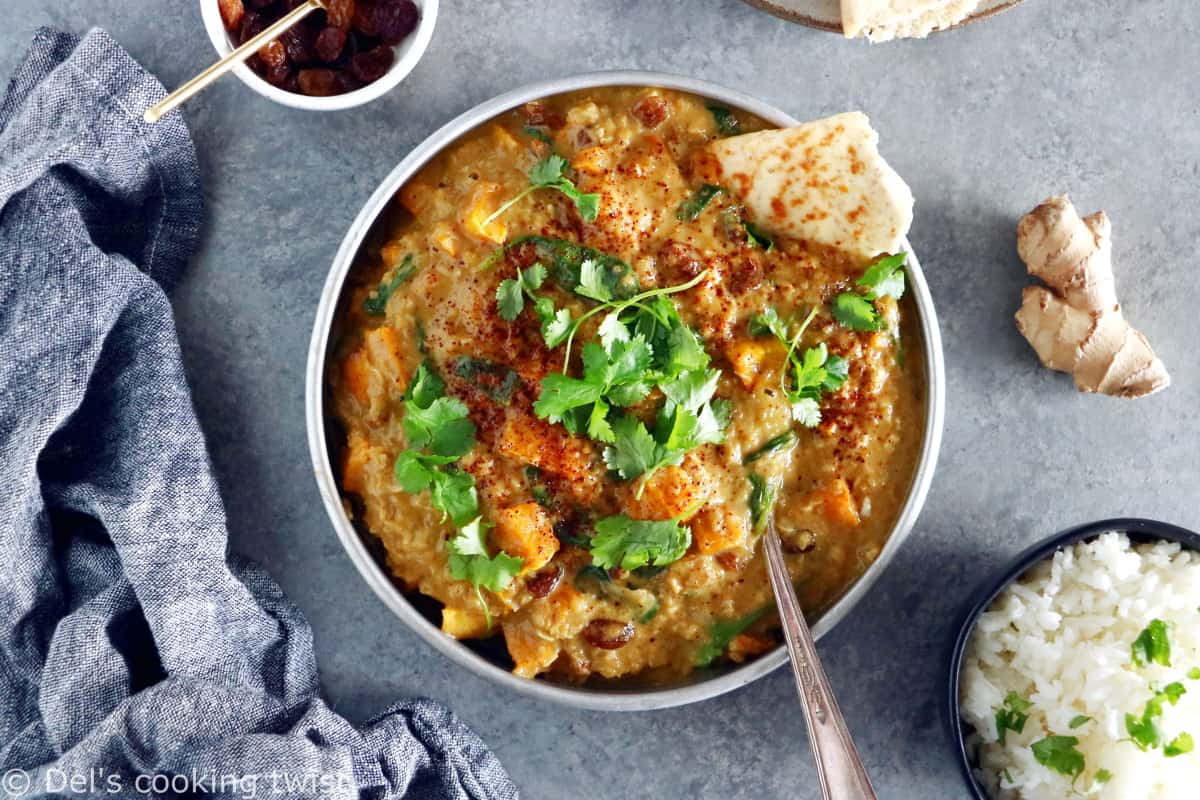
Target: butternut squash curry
{"x": 596, "y": 352}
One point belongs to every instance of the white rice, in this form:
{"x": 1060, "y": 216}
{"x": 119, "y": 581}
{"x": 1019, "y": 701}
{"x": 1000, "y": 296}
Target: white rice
{"x": 1060, "y": 638}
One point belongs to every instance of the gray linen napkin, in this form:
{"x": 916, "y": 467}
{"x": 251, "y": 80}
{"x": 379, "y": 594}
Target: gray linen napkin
{"x": 132, "y": 652}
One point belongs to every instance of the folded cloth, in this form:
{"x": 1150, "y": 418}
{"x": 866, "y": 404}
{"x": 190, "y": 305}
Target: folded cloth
{"x": 132, "y": 653}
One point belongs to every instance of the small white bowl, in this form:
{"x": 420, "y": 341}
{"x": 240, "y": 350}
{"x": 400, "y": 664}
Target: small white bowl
{"x": 408, "y": 53}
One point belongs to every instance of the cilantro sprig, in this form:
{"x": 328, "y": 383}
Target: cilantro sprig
{"x": 439, "y": 433}
{"x": 1143, "y": 730}
{"x": 549, "y": 173}
{"x": 810, "y": 373}
{"x": 510, "y": 299}
{"x": 884, "y": 278}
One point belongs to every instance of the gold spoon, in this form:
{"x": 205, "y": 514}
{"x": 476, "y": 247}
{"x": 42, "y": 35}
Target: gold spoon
{"x": 839, "y": 767}
{"x": 252, "y": 45}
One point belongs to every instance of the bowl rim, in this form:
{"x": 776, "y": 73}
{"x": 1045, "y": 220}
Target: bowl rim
{"x": 408, "y": 52}
{"x": 376, "y": 577}
{"x": 1138, "y": 527}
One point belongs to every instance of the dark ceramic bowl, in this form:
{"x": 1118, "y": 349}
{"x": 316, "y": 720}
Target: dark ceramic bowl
{"x": 1139, "y": 530}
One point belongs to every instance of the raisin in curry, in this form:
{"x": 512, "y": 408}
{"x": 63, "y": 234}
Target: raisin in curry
{"x": 582, "y": 372}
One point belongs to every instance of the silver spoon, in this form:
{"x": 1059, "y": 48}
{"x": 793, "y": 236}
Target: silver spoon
{"x": 842, "y": 774}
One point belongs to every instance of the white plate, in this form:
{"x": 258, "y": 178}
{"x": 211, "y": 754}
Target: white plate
{"x": 827, "y": 14}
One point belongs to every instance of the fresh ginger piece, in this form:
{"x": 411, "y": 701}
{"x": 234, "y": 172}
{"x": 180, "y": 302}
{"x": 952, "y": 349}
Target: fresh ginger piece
{"x": 751, "y": 358}
{"x": 1075, "y": 323}
{"x": 531, "y": 652}
{"x": 717, "y": 528}
{"x": 668, "y": 494}
{"x": 838, "y": 503}
{"x": 482, "y": 202}
{"x": 464, "y": 623}
{"x": 526, "y": 532}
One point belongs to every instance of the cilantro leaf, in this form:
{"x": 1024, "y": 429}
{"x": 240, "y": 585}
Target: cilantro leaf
{"x": 598, "y": 426}
{"x": 1143, "y": 731}
{"x": 1152, "y": 646}
{"x": 533, "y": 277}
{"x": 443, "y": 427}
{"x": 612, "y": 330}
{"x": 454, "y": 493}
{"x": 548, "y": 171}
{"x": 720, "y": 634}
{"x": 591, "y": 282}
{"x": 469, "y": 560}
{"x": 885, "y": 277}
{"x": 425, "y": 386}
{"x": 1011, "y": 716}
{"x": 1194, "y": 674}
{"x": 510, "y": 299}
{"x": 856, "y": 312}
{"x": 415, "y": 471}
{"x": 691, "y": 390}
{"x": 631, "y": 543}
{"x": 769, "y": 323}
{"x": 691, "y": 208}
{"x": 1079, "y": 721}
{"x": 807, "y": 411}
{"x": 634, "y": 450}
{"x": 534, "y": 132}
{"x": 376, "y": 303}
{"x": 1103, "y": 776}
{"x": 727, "y": 122}
{"x": 1178, "y": 746}
{"x": 1059, "y": 753}
{"x": 556, "y": 328}
{"x": 562, "y": 393}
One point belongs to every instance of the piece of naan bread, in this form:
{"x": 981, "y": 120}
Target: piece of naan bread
{"x": 881, "y": 20}
{"x": 822, "y": 181}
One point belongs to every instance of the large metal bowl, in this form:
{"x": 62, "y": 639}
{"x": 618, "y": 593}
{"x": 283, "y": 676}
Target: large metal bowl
{"x": 704, "y": 683}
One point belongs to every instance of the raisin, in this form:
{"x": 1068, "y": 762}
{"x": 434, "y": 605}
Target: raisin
{"x": 232, "y": 12}
{"x": 544, "y": 582}
{"x": 252, "y": 25}
{"x": 539, "y": 114}
{"x": 282, "y": 76}
{"x": 651, "y": 110}
{"x": 300, "y": 43}
{"x": 390, "y": 20}
{"x": 346, "y": 82}
{"x": 373, "y": 64}
{"x": 317, "y": 82}
{"x": 330, "y": 43}
{"x": 340, "y": 13}
{"x": 273, "y": 54}
{"x": 608, "y": 634}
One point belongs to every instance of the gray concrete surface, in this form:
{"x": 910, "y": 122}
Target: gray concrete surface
{"x": 1098, "y": 97}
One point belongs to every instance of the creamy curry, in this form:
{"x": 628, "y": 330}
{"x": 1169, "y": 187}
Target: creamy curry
{"x": 562, "y": 457}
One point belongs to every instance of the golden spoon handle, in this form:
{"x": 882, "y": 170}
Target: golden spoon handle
{"x": 201, "y": 81}
{"x": 842, "y": 774}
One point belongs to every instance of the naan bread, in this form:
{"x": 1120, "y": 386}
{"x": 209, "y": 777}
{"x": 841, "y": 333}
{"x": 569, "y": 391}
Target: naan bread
{"x": 881, "y": 20}
{"x": 822, "y": 181}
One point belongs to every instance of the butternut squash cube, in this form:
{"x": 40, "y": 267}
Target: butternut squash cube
{"x": 591, "y": 160}
{"x": 839, "y": 505}
{"x": 482, "y": 202}
{"x": 717, "y": 528}
{"x": 416, "y": 197}
{"x": 670, "y": 492}
{"x": 464, "y": 623}
{"x": 354, "y": 462}
{"x": 526, "y": 532}
{"x": 752, "y": 358}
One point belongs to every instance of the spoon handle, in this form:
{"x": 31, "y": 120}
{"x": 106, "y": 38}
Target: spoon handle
{"x": 842, "y": 774}
{"x": 198, "y": 83}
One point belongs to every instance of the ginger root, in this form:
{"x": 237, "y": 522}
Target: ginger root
{"x": 1075, "y": 323}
